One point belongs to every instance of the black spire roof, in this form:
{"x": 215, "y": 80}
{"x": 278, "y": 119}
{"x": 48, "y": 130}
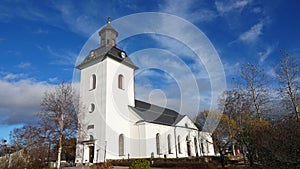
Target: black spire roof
{"x": 107, "y": 48}
{"x": 101, "y": 53}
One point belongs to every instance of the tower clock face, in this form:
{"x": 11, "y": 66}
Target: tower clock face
{"x": 123, "y": 55}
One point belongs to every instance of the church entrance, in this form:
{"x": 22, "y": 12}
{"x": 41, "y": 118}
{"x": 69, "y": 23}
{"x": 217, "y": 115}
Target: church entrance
{"x": 91, "y": 154}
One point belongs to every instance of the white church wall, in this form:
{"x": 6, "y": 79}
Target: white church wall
{"x": 187, "y": 128}
{"x": 117, "y": 119}
{"x": 151, "y": 130}
{"x": 138, "y": 142}
{"x": 207, "y": 143}
{"x": 137, "y": 131}
{"x": 93, "y": 122}
{"x": 186, "y": 122}
{"x": 189, "y": 137}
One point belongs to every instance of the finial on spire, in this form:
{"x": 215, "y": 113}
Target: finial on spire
{"x": 108, "y": 19}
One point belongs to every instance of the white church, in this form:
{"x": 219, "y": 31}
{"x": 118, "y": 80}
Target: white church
{"x": 113, "y": 125}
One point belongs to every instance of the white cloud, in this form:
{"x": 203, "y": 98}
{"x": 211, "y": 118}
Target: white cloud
{"x": 252, "y": 34}
{"x": 62, "y": 57}
{"x": 24, "y": 65}
{"x": 20, "y": 99}
{"x": 53, "y": 80}
{"x": 270, "y": 71}
{"x": 231, "y": 69}
{"x": 224, "y": 7}
{"x": 180, "y": 85}
{"x": 257, "y": 10}
{"x": 12, "y": 76}
{"x": 24, "y": 10}
{"x": 187, "y": 10}
{"x": 41, "y": 31}
{"x": 80, "y": 18}
{"x": 264, "y": 55}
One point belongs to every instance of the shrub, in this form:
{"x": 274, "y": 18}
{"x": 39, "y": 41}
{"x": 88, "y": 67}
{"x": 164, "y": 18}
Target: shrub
{"x": 140, "y": 164}
{"x": 107, "y": 165}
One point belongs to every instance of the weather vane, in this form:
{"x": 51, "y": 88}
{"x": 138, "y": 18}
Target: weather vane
{"x": 108, "y": 19}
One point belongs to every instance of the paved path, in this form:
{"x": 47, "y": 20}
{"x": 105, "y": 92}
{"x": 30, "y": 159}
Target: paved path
{"x": 115, "y": 167}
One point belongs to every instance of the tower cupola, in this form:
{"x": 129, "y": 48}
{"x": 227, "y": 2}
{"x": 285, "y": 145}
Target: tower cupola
{"x": 108, "y": 35}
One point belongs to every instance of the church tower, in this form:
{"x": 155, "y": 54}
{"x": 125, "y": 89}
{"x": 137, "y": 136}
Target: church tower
{"x": 106, "y": 91}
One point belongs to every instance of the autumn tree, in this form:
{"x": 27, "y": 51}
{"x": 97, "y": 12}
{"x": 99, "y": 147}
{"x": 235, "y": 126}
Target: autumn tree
{"x": 288, "y": 76}
{"x": 223, "y": 135}
{"x": 277, "y": 146}
{"x": 255, "y": 84}
{"x": 57, "y": 107}
{"x": 249, "y": 136}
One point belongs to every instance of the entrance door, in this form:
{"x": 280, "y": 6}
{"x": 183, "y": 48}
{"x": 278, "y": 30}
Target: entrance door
{"x": 91, "y": 154}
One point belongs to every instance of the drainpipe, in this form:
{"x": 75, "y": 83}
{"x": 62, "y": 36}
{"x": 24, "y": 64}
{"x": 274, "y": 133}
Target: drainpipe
{"x": 82, "y": 153}
{"x": 97, "y": 155}
{"x": 175, "y": 142}
{"x": 139, "y": 140}
{"x": 105, "y": 152}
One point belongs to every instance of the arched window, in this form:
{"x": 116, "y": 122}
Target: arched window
{"x": 202, "y": 147}
{"x": 186, "y": 125}
{"x": 93, "y": 82}
{"x": 179, "y": 146}
{"x": 158, "y": 144}
{"x": 113, "y": 42}
{"x": 121, "y": 82}
{"x": 169, "y": 144}
{"x": 188, "y": 145}
{"x": 91, "y": 137}
{"x": 121, "y": 145}
{"x": 196, "y": 146}
{"x": 207, "y": 146}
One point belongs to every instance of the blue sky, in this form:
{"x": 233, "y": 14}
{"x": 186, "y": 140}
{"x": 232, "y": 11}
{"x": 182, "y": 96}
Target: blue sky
{"x": 41, "y": 40}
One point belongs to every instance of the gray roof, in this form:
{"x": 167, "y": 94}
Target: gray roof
{"x": 108, "y": 27}
{"x": 101, "y": 53}
{"x": 156, "y": 114}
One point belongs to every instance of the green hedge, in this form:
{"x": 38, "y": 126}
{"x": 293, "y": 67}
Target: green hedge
{"x": 140, "y": 164}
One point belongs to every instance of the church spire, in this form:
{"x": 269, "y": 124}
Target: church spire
{"x": 108, "y": 35}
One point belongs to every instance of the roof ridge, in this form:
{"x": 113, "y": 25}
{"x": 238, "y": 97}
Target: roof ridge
{"x": 157, "y": 106}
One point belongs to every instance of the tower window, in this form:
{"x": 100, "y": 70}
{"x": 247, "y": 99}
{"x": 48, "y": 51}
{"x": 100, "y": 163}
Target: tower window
{"x": 121, "y": 145}
{"x": 93, "y": 82}
{"x": 121, "y": 82}
{"x": 90, "y": 127}
{"x": 91, "y": 108}
{"x": 113, "y": 42}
